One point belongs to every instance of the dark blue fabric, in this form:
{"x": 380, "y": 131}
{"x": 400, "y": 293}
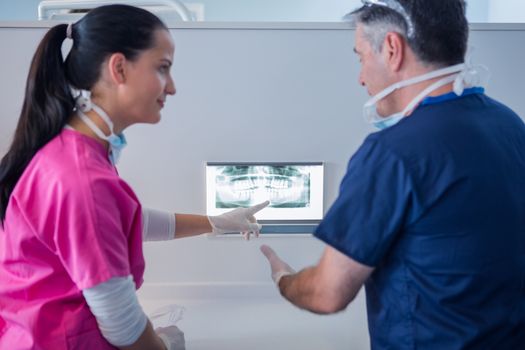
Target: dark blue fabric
{"x": 436, "y": 203}
{"x": 451, "y": 96}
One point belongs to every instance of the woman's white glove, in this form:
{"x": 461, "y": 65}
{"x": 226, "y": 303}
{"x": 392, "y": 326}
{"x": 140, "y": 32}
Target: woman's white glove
{"x": 278, "y": 266}
{"x": 238, "y": 220}
{"x": 172, "y": 337}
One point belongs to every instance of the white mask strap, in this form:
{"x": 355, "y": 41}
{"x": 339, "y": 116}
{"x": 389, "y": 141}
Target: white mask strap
{"x": 424, "y": 77}
{"x": 427, "y": 91}
{"x": 104, "y": 117}
{"x": 92, "y": 125}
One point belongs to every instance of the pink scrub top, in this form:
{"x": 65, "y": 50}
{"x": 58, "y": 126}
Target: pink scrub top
{"x": 71, "y": 224}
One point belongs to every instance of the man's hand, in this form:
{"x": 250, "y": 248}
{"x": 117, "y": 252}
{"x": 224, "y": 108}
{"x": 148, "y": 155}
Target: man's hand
{"x": 278, "y": 266}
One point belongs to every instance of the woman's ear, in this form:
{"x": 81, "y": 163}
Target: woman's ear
{"x": 394, "y": 50}
{"x": 117, "y": 68}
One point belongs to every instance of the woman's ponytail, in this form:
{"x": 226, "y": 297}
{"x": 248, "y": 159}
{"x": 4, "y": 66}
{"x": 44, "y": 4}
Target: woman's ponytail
{"x": 47, "y": 107}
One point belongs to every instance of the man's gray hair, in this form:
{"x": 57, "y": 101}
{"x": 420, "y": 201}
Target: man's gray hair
{"x": 439, "y": 28}
{"x": 375, "y": 31}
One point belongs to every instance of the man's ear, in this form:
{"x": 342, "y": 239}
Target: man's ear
{"x": 117, "y": 68}
{"x": 394, "y": 50}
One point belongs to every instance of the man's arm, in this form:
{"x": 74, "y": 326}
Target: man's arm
{"x": 326, "y": 288}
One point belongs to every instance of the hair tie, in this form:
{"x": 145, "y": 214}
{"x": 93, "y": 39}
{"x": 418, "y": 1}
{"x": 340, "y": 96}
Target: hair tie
{"x": 69, "y": 31}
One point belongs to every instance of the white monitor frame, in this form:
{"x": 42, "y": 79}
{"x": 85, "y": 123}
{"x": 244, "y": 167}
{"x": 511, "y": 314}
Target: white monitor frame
{"x": 313, "y": 209}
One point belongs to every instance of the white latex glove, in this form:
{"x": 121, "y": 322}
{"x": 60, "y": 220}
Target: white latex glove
{"x": 238, "y": 220}
{"x": 172, "y": 337}
{"x": 279, "y": 267}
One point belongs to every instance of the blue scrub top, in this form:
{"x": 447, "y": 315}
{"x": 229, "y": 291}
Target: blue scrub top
{"x": 436, "y": 203}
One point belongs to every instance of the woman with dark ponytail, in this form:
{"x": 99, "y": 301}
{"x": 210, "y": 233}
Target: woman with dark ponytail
{"x": 71, "y": 229}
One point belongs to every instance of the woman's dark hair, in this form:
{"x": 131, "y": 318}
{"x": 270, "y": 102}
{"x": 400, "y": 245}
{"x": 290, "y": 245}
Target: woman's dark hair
{"x": 48, "y": 102}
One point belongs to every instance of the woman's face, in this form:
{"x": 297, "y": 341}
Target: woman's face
{"x": 148, "y": 82}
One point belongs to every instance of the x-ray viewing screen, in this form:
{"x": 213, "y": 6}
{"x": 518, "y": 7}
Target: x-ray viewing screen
{"x": 295, "y": 190}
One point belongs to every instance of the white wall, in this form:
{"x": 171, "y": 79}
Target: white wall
{"x": 477, "y": 11}
{"x": 18, "y": 10}
{"x": 506, "y": 11}
{"x": 247, "y": 95}
{"x": 278, "y": 10}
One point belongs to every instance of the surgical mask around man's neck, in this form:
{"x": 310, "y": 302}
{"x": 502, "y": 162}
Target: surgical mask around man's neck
{"x": 463, "y": 76}
{"x": 116, "y": 142}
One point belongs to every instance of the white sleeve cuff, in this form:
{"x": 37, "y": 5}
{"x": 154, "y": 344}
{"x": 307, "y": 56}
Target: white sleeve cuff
{"x": 157, "y": 225}
{"x": 117, "y": 310}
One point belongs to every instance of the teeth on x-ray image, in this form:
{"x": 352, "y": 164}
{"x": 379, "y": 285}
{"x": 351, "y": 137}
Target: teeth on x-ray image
{"x": 284, "y": 186}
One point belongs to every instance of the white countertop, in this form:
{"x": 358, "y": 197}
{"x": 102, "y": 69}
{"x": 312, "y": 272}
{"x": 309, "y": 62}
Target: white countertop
{"x": 265, "y": 323}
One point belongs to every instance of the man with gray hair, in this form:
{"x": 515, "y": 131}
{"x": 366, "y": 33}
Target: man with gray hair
{"x": 431, "y": 212}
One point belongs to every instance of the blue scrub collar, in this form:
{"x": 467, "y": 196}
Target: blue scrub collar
{"x": 451, "y": 96}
